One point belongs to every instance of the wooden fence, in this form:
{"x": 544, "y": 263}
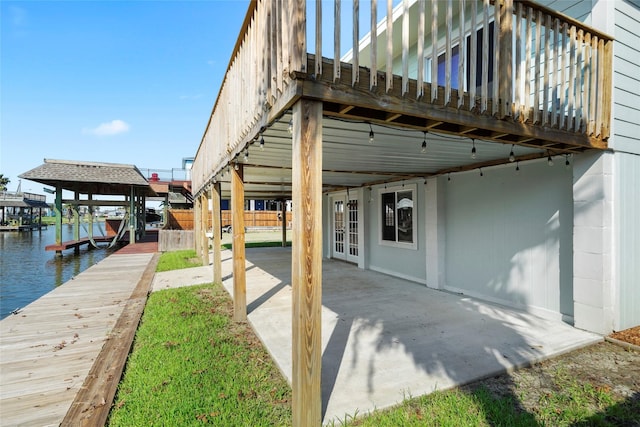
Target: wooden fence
{"x": 182, "y": 219}
{"x": 175, "y": 240}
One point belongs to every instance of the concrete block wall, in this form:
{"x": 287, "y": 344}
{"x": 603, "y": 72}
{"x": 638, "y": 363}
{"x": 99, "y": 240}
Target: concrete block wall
{"x": 593, "y": 227}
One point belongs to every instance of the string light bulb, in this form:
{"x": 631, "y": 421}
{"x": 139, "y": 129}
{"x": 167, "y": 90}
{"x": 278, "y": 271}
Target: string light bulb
{"x": 371, "y": 134}
{"x": 567, "y": 163}
{"x": 424, "y": 142}
{"x": 473, "y": 149}
{"x": 246, "y": 154}
{"x": 290, "y": 127}
{"x": 518, "y": 166}
{"x": 235, "y": 165}
{"x": 549, "y": 159}
{"x": 512, "y": 155}
{"x": 481, "y": 173}
{"x": 262, "y": 142}
{"x": 448, "y": 177}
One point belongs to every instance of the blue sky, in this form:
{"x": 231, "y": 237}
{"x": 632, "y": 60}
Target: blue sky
{"x": 112, "y": 81}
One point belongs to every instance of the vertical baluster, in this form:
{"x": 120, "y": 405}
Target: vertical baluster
{"x": 355, "y": 63}
{"x": 271, "y": 9}
{"x": 587, "y": 84}
{"x": 318, "y": 69}
{"x": 600, "y": 88}
{"x": 473, "y": 60}
{"x": 572, "y": 77}
{"x": 495, "y": 95}
{"x": 405, "y": 47}
{"x": 336, "y": 40}
{"x": 606, "y": 89}
{"x": 485, "y": 56}
{"x": 462, "y": 54}
{"x": 527, "y": 68}
{"x": 593, "y": 66}
{"x": 556, "y": 74}
{"x": 577, "y": 124}
{"x": 389, "y": 68}
{"x": 434, "y": 51}
{"x": 373, "y": 77}
{"x": 280, "y": 26}
{"x": 420, "y": 56}
{"x": 545, "y": 93}
{"x": 563, "y": 76}
{"x": 518, "y": 100}
{"x": 505, "y": 70}
{"x": 536, "y": 83}
{"x": 447, "y": 54}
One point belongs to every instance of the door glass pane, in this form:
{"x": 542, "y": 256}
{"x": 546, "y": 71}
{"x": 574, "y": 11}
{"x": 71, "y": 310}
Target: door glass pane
{"x": 338, "y": 225}
{"x": 405, "y": 216}
{"x": 353, "y": 227}
{"x": 388, "y": 216}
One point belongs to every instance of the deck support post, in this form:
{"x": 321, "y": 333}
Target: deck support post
{"x": 90, "y": 223}
{"x": 217, "y": 230}
{"x": 505, "y": 66}
{"x": 132, "y": 216}
{"x": 57, "y": 208}
{"x": 237, "y": 223}
{"x": 204, "y": 221}
{"x": 196, "y": 225}
{"x": 76, "y": 221}
{"x": 284, "y": 222}
{"x": 306, "y": 263}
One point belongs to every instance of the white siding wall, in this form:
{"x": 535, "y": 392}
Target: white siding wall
{"x": 626, "y": 142}
{"x": 509, "y": 236}
{"x": 405, "y": 263}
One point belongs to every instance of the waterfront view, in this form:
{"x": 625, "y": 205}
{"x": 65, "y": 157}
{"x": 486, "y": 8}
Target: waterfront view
{"x": 27, "y": 271}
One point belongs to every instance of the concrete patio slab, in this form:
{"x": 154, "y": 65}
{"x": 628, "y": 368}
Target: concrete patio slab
{"x": 386, "y": 338}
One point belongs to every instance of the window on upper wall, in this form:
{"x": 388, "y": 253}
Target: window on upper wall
{"x": 397, "y": 216}
{"x": 455, "y": 61}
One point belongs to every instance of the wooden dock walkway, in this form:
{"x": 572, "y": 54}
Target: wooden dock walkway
{"x": 54, "y": 351}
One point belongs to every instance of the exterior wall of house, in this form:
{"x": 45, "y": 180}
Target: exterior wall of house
{"x": 508, "y": 236}
{"x": 402, "y": 262}
{"x": 626, "y": 143}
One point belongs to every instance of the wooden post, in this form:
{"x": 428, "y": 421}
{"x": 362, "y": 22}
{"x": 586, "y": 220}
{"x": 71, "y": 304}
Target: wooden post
{"x": 506, "y": 47}
{"x": 237, "y": 222}
{"x": 132, "y": 216}
{"x": 76, "y": 222}
{"x": 196, "y": 225}
{"x": 58, "y": 211}
{"x": 306, "y": 263}
{"x": 204, "y": 221}
{"x": 217, "y": 230}
{"x": 284, "y": 222}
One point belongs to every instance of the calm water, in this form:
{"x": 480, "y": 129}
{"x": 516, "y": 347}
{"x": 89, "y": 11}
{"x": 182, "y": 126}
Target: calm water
{"x": 27, "y": 271}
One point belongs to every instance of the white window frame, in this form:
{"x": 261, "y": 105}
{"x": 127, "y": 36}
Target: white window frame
{"x": 414, "y": 217}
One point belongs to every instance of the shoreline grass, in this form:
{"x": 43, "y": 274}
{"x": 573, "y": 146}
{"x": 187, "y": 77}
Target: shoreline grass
{"x": 192, "y": 365}
{"x": 177, "y": 260}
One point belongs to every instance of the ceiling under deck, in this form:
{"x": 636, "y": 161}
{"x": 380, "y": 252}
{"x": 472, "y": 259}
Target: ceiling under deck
{"x": 350, "y": 161}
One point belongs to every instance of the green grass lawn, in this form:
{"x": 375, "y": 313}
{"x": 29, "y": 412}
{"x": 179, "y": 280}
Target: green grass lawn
{"x": 191, "y": 365}
{"x": 177, "y": 260}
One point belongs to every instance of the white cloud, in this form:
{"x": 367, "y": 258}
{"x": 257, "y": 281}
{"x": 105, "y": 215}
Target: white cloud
{"x": 113, "y": 127}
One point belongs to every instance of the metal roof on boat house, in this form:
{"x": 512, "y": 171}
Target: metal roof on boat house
{"x": 89, "y": 177}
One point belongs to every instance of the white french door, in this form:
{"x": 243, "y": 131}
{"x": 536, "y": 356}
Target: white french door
{"x": 344, "y": 227}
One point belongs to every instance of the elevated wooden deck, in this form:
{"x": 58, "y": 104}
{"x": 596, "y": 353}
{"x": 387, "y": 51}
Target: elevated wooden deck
{"x": 62, "y": 355}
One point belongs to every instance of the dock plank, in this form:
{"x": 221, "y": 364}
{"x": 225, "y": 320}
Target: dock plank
{"x": 49, "y": 347}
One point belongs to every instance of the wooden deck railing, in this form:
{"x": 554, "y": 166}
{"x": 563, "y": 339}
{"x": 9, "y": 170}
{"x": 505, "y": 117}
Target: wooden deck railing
{"x": 514, "y": 60}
